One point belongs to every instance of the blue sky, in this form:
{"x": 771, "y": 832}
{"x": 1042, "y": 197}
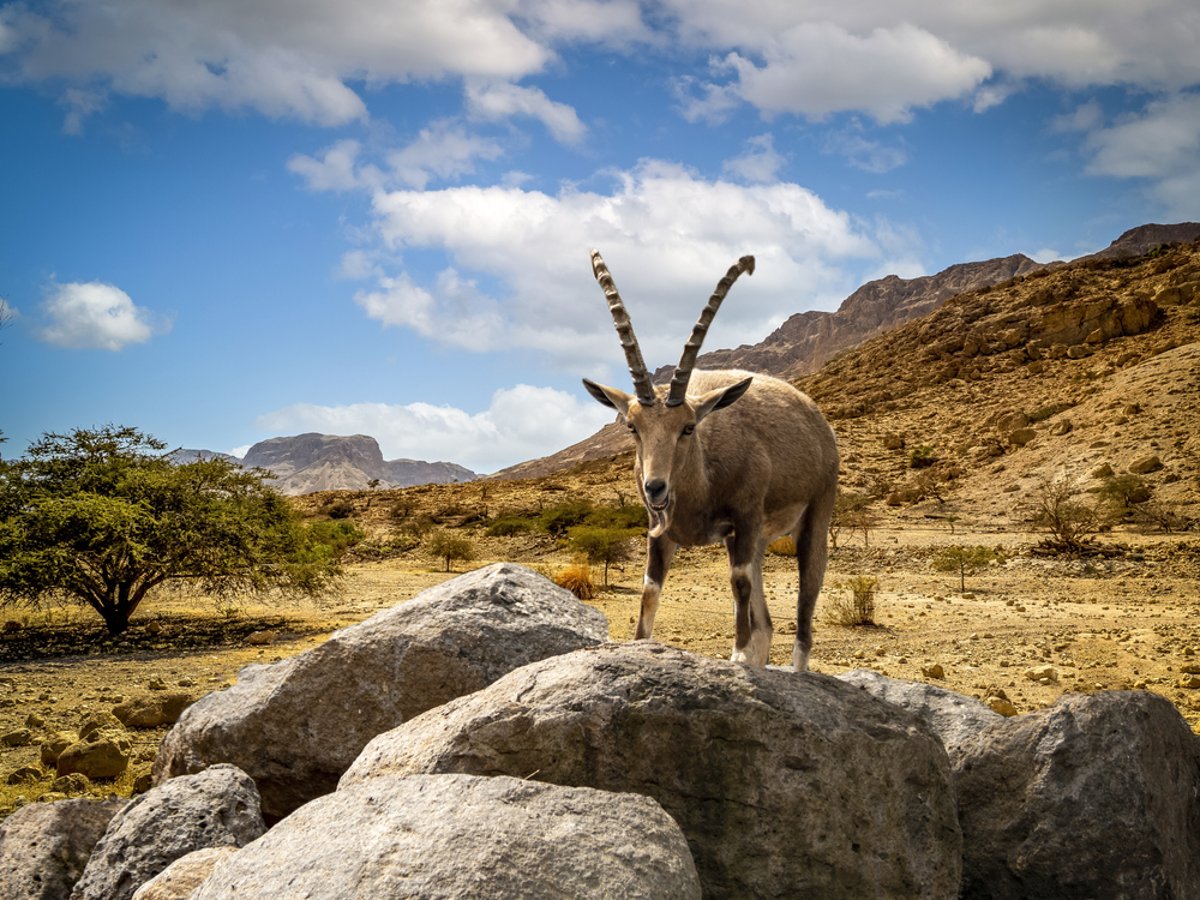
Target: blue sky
{"x": 227, "y": 221}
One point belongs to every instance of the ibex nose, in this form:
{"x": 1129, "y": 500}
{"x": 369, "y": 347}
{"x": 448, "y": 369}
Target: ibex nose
{"x": 656, "y": 491}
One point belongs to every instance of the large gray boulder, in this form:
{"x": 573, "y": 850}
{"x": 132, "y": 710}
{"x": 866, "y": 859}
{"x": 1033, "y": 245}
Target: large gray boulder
{"x": 452, "y": 836}
{"x": 216, "y": 808}
{"x": 1096, "y": 796}
{"x": 785, "y": 785}
{"x": 295, "y": 726}
{"x": 952, "y": 717}
{"x": 44, "y": 847}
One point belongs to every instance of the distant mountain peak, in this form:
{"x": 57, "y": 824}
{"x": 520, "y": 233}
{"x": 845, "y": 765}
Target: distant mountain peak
{"x": 303, "y": 463}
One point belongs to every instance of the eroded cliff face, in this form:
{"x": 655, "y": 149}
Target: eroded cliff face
{"x": 311, "y": 462}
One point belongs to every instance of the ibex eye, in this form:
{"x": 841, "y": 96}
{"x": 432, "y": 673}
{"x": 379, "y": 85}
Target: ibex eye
{"x": 688, "y": 429}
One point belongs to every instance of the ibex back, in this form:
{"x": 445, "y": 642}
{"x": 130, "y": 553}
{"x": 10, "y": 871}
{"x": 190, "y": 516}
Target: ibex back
{"x": 727, "y": 456}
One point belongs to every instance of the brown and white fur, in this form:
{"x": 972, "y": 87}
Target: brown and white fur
{"x": 727, "y": 456}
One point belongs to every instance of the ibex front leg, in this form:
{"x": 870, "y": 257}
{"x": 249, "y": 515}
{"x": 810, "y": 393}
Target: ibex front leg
{"x": 752, "y": 637}
{"x": 659, "y": 553}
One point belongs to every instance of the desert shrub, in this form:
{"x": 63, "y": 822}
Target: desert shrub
{"x": 963, "y": 560}
{"x": 601, "y": 546}
{"x": 337, "y": 536}
{"x": 339, "y": 509}
{"x": 632, "y": 516}
{"x": 557, "y": 519}
{"x": 1159, "y": 517}
{"x": 1121, "y": 493}
{"x": 450, "y": 548}
{"x": 852, "y": 512}
{"x": 415, "y": 529}
{"x": 510, "y": 524}
{"x": 921, "y": 457}
{"x": 1056, "y": 505}
{"x": 854, "y": 604}
{"x": 577, "y": 578}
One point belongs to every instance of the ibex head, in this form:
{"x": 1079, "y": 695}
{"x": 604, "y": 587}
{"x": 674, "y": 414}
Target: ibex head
{"x": 663, "y": 421}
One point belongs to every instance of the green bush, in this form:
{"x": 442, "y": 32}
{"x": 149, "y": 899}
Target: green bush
{"x": 921, "y": 457}
{"x": 338, "y": 536}
{"x": 632, "y": 516}
{"x": 557, "y": 519}
{"x": 339, "y": 509}
{"x": 509, "y": 525}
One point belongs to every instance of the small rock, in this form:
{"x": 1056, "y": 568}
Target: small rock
{"x": 1189, "y": 668}
{"x": 1144, "y": 465}
{"x": 1104, "y": 470}
{"x": 1191, "y": 682}
{"x": 1021, "y": 436}
{"x": 33, "y": 720}
{"x": 55, "y": 745}
{"x": 22, "y": 737}
{"x": 1001, "y": 705}
{"x": 75, "y": 783}
{"x": 26, "y": 775}
{"x": 1045, "y": 674}
{"x": 98, "y": 721}
{"x": 153, "y": 711}
{"x": 893, "y": 441}
{"x": 261, "y": 638}
{"x": 156, "y": 684}
{"x": 933, "y": 671}
{"x": 104, "y": 754}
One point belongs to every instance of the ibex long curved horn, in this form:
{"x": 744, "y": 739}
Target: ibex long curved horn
{"x": 683, "y": 371}
{"x": 633, "y": 353}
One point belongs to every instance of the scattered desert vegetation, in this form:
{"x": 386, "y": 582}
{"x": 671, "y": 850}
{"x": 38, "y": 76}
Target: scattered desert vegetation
{"x": 1018, "y": 518}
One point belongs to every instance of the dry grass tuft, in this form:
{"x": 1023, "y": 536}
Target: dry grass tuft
{"x": 854, "y": 604}
{"x": 577, "y": 578}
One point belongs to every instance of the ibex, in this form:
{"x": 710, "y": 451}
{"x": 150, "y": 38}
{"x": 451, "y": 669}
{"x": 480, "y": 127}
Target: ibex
{"x": 726, "y": 456}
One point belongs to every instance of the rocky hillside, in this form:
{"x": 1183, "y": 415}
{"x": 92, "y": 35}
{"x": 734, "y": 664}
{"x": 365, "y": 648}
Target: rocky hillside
{"x": 807, "y": 340}
{"x": 871, "y": 303}
{"x": 1083, "y": 371}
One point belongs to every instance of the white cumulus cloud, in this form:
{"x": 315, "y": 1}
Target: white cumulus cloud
{"x": 520, "y": 423}
{"x": 94, "y": 315}
{"x": 517, "y": 273}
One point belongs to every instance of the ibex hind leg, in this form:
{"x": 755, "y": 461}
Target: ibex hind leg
{"x": 812, "y": 553}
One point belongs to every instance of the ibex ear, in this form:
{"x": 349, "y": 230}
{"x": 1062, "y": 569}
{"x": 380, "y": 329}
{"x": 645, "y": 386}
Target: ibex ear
{"x": 609, "y": 396}
{"x": 720, "y": 398}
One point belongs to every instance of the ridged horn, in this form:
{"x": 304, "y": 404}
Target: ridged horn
{"x": 633, "y": 353}
{"x": 683, "y": 371}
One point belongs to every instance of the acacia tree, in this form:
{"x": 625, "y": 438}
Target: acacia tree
{"x": 602, "y": 545}
{"x": 963, "y": 560}
{"x": 103, "y": 516}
